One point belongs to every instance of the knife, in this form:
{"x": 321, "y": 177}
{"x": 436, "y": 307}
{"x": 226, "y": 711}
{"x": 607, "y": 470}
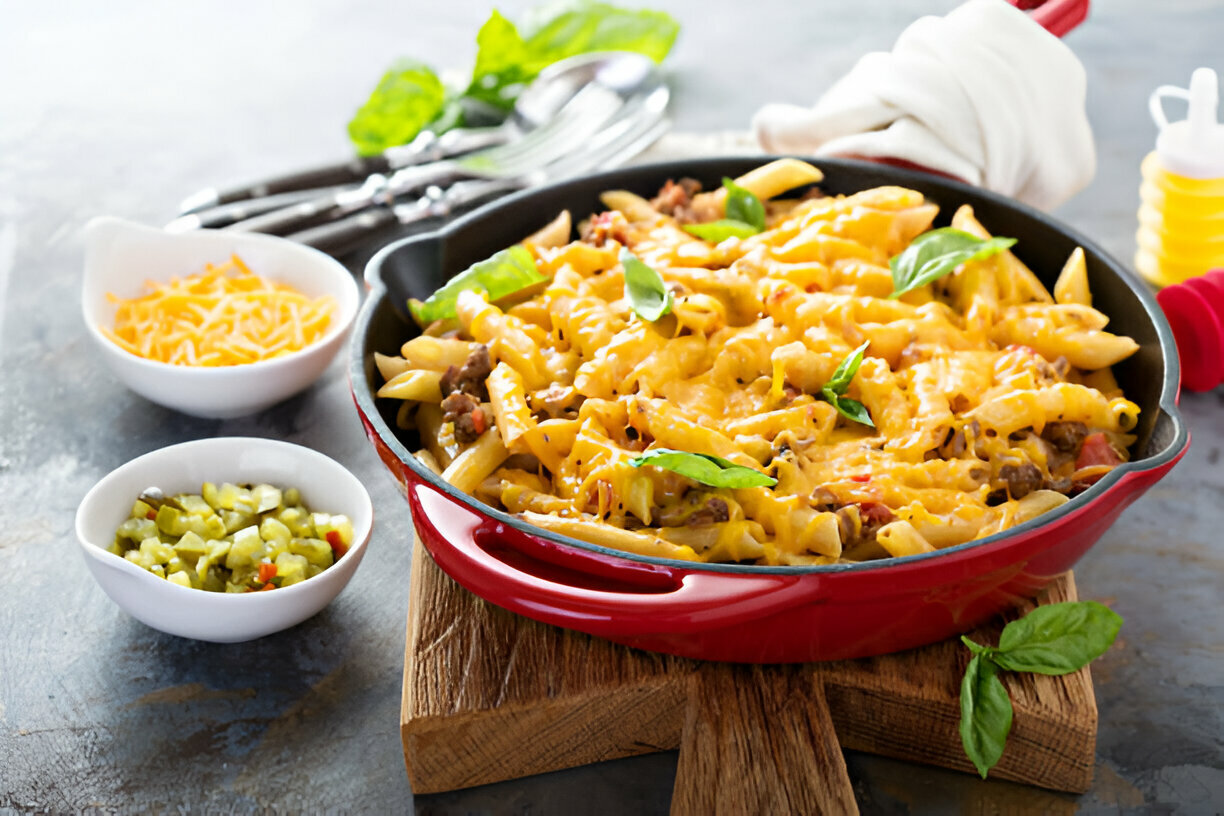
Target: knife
{"x": 223, "y": 215}
{"x": 426, "y": 147}
{"x": 579, "y": 119}
{"x": 610, "y": 149}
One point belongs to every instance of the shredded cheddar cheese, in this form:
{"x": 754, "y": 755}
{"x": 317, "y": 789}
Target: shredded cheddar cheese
{"x": 226, "y": 315}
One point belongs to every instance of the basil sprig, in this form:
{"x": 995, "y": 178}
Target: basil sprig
{"x": 701, "y": 467}
{"x": 745, "y": 216}
{"x": 504, "y": 273}
{"x": 934, "y": 254}
{"x": 644, "y": 288}
{"x": 834, "y": 391}
{"x": 1054, "y": 639}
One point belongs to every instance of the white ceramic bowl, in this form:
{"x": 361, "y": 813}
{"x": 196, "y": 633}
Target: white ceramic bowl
{"x": 120, "y": 256}
{"x": 220, "y": 617}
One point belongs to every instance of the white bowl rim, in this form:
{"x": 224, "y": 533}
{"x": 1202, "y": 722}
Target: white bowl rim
{"x": 348, "y": 301}
{"x": 361, "y": 532}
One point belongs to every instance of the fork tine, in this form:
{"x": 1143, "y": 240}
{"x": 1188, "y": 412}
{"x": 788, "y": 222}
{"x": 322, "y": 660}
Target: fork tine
{"x": 581, "y": 117}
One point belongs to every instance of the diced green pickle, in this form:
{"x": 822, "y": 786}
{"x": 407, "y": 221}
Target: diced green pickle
{"x": 314, "y": 550}
{"x": 137, "y": 530}
{"x": 247, "y": 548}
{"x": 191, "y": 546}
{"x": 297, "y": 520}
{"x": 195, "y": 505}
{"x": 291, "y": 569}
{"x": 220, "y": 538}
{"x": 271, "y": 529}
{"x": 266, "y": 497}
{"x": 234, "y": 520}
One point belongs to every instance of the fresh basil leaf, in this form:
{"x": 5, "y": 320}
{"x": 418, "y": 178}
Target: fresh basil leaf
{"x": 408, "y": 97}
{"x": 986, "y": 714}
{"x": 644, "y": 288}
{"x": 849, "y": 408}
{"x": 934, "y": 254}
{"x": 742, "y": 205}
{"x": 845, "y": 371}
{"x": 834, "y": 391}
{"x": 975, "y": 647}
{"x": 718, "y": 231}
{"x": 507, "y": 59}
{"x": 504, "y": 273}
{"x": 708, "y": 470}
{"x": 1058, "y": 638}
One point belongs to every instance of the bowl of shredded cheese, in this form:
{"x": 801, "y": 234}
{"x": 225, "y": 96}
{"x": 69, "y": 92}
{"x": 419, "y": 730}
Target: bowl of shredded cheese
{"x": 214, "y": 324}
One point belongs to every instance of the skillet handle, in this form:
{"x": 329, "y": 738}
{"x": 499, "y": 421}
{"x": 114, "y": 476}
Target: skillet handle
{"x": 578, "y": 589}
{"x": 1056, "y": 16}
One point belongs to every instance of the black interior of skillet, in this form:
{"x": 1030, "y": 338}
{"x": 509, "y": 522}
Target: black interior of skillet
{"x": 417, "y": 268}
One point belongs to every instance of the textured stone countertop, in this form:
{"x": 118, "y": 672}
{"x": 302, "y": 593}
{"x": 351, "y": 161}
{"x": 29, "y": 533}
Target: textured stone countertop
{"x": 124, "y": 108}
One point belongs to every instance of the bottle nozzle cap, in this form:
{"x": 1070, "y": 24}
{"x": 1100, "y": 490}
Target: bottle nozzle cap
{"x": 1193, "y": 147}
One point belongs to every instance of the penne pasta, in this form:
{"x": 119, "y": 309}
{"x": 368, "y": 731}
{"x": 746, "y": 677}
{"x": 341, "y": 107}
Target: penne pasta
{"x": 777, "y": 404}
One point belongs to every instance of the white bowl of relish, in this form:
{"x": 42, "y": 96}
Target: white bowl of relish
{"x": 324, "y": 485}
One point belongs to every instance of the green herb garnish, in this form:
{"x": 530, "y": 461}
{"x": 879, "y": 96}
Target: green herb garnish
{"x": 644, "y": 288}
{"x": 834, "y": 391}
{"x": 410, "y": 96}
{"x": 745, "y": 216}
{"x": 934, "y": 254}
{"x": 708, "y": 470}
{"x": 718, "y": 231}
{"x": 742, "y": 205}
{"x": 1054, "y": 639}
{"x": 507, "y": 58}
{"x": 504, "y": 273}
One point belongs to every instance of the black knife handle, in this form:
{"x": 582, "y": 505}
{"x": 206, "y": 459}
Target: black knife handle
{"x": 344, "y": 234}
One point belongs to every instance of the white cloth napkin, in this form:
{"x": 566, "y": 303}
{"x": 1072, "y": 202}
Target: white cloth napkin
{"x": 984, "y": 94}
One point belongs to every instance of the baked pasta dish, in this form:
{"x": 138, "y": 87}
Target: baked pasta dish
{"x": 726, "y": 375}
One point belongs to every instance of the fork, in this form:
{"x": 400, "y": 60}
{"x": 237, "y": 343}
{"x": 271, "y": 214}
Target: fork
{"x": 576, "y": 122}
{"x": 616, "y": 144}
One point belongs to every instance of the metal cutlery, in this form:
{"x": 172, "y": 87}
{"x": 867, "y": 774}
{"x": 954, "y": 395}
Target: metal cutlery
{"x": 618, "y": 143}
{"x": 223, "y": 215}
{"x": 576, "y": 122}
{"x": 555, "y": 86}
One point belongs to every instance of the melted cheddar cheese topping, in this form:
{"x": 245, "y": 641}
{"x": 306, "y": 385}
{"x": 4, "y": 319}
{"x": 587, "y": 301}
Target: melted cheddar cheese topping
{"x": 992, "y": 399}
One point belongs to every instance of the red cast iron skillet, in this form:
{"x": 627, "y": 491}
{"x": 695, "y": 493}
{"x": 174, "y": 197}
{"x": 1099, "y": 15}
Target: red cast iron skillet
{"x": 738, "y": 612}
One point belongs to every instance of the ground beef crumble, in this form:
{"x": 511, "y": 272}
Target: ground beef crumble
{"x": 470, "y": 377}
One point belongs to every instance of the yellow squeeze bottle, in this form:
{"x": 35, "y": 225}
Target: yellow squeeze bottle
{"x": 1181, "y": 211}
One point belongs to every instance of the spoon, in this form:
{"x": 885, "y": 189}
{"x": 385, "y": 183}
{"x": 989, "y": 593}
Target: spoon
{"x": 625, "y": 73}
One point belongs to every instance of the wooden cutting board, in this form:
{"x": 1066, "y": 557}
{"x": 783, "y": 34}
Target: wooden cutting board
{"x": 490, "y": 696}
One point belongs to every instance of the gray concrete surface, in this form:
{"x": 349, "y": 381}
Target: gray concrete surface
{"x": 125, "y": 107}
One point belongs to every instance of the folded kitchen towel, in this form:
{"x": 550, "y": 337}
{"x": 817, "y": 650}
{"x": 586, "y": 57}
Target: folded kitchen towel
{"x": 984, "y": 94}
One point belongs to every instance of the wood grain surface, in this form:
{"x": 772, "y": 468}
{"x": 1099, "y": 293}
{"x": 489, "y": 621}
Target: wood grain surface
{"x": 490, "y": 696}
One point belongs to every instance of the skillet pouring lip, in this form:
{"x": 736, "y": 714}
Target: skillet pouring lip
{"x": 1112, "y": 486}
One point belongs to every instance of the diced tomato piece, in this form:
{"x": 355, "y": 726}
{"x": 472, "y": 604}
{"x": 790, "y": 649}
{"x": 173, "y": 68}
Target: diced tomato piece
{"x": 479, "y": 422}
{"x": 151, "y": 515}
{"x": 1097, "y": 451}
{"x": 267, "y": 572}
{"x": 875, "y": 511}
{"x": 338, "y": 548}
{"x": 861, "y": 477}
{"x": 268, "y": 585}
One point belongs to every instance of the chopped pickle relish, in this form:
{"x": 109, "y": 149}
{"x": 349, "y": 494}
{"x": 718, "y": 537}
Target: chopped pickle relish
{"x": 232, "y": 538}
